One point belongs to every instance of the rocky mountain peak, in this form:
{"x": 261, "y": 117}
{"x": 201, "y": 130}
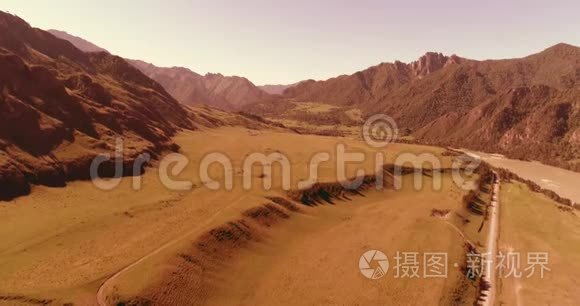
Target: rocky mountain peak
{"x": 431, "y": 62}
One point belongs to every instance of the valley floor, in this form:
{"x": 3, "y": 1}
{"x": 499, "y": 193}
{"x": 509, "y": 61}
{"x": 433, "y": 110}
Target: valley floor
{"x": 60, "y": 245}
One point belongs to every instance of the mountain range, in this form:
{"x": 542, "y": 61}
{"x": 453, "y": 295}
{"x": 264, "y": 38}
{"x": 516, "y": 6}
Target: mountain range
{"x": 61, "y": 107}
{"x": 188, "y": 87}
{"x": 527, "y": 108}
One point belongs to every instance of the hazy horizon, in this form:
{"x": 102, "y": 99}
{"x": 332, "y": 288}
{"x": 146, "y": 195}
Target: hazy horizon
{"x": 280, "y": 43}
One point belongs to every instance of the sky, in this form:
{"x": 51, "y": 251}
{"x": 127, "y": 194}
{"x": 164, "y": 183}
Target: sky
{"x": 283, "y": 42}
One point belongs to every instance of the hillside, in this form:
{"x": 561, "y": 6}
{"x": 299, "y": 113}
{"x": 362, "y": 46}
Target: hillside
{"x": 368, "y": 86}
{"x": 526, "y": 108}
{"x": 188, "y": 87}
{"x": 61, "y": 107}
{"x": 214, "y": 89}
{"x": 78, "y": 42}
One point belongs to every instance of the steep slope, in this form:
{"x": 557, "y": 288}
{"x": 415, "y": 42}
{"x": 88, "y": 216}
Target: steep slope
{"x": 526, "y": 108}
{"x": 190, "y": 88}
{"x": 371, "y": 84}
{"x": 78, "y": 42}
{"x": 61, "y": 107}
{"x": 174, "y": 80}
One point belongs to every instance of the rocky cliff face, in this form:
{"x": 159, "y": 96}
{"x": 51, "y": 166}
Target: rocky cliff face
{"x": 431, "y": 62}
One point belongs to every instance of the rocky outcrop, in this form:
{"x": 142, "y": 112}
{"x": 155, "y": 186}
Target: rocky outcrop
{"x": 431, "y": 62}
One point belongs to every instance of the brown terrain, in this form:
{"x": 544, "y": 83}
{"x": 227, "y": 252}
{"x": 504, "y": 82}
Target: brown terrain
{"x": 65, "y": 101}
{"x": 526, "y": 108}
{"x": 164, "y": 247}
{"x": 188, "y": 87}
{"x": 61, "y": 107}
{"x": 214, "y": 89}
{"x": 81, "y": 43}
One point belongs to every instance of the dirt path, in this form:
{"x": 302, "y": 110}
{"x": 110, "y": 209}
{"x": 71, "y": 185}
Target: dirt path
{"x": 101, "y": 293}
{"x": 491, "y": 247}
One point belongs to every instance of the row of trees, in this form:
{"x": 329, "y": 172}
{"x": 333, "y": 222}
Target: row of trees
{"x": 509, "y": 176}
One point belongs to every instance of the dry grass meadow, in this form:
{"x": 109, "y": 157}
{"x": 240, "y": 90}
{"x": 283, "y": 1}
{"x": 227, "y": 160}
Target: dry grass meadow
{"x": 531, "y": 222}
{"x": 247, "y": 247}
{"x": 61, "y": 244}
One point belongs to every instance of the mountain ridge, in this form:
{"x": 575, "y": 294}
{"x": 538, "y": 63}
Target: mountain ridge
{"x": 214, "y": 89}
{"x": 490, "y": 105}
{"x": 187, "y": 86}
{"x": 79, "y": 42}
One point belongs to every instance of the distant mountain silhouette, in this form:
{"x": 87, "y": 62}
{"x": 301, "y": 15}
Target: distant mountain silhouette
{"x": 275, "y": 89}
{"x": 188, "y": 87}
{"x": 78, "y": 42}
